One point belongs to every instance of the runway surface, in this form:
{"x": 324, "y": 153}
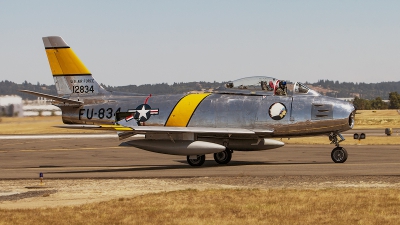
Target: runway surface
{"x": 101, "y": 157}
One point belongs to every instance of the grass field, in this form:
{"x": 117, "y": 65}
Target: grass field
{"x": 373, "y": 119}
{"x": 37, "y": 125}
{"x": 233, "y": 206}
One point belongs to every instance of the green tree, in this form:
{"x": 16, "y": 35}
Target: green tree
{"x": 394, "y": 100}
{"x": 362, "y": 104}
{"x": 377, "y": 103}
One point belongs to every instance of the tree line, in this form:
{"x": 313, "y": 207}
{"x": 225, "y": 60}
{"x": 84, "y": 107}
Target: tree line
{"x": 11, "y": 88}
{"x": 363, "y": 90}
{"x": 370, "y": 95}
{"x": 164, "y": 88}
{"x": 378, "y": 103}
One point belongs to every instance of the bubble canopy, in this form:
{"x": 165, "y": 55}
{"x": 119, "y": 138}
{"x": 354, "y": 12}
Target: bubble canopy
{"x": 261, "y": 85}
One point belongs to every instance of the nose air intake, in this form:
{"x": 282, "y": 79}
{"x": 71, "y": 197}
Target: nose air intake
{"x": 352, "y": 119}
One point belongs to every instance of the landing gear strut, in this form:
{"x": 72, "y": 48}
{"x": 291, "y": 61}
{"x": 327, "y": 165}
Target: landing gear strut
{"x": 338, "y": 154}
{"x": 223, "y": 157}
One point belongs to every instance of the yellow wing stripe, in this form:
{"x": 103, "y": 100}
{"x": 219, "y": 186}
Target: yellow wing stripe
{"x": 64, "y": 61}
{"x": 184, "y": 109}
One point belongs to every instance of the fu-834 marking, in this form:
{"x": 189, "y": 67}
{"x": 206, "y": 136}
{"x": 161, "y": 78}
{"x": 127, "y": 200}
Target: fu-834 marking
{"x": 100, "y": 113}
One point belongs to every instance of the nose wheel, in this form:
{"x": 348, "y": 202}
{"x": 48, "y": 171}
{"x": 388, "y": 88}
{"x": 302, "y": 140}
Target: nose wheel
{"x": 338, "y": 154}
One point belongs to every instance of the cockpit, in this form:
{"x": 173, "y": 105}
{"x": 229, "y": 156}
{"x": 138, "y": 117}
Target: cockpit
{"x": 261, "y": 85}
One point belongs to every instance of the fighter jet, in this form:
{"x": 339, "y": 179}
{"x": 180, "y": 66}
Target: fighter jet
{"x": 248, "y": 114}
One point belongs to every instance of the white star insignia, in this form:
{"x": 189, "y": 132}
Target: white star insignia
{"x": 142, "y": 112}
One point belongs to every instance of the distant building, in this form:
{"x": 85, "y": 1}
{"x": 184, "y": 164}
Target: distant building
{"x": 352, "y": 99}
{"x": 347, "y": 99}
{"x": 11, "y": 105}
{"x": 40, "y": 107}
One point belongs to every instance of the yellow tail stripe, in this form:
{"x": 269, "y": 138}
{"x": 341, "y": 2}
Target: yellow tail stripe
{"x": 63, "y": 61}
{"x": 184, "y": 110}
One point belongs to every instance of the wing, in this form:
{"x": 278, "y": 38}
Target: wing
{"x": 168, "y": 130}
{"x": 163, "y": 139}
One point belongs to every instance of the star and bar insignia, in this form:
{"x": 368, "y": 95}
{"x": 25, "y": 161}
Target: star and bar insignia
{"x": 142, "y": 113}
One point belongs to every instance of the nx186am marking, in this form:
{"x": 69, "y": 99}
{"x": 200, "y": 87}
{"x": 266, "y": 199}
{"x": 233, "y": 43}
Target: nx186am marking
{"x": 247, "y": 114}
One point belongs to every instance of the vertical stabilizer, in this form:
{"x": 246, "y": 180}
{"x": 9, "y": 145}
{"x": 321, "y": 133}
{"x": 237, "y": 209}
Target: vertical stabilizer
{"x": 71, "y": 76}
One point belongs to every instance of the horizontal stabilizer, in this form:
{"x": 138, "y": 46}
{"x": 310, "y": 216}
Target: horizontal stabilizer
{"x": 52, "y": 97}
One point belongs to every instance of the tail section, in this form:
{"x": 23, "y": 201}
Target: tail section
{"x": 71, "y": 76}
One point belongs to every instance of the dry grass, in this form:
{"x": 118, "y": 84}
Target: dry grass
{"x": 373, "y": 119}
{"x": 240, "y": 206}
{"x": 37, "y": 125}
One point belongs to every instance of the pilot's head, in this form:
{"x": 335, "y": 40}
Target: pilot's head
{"x": 282, "y": 84}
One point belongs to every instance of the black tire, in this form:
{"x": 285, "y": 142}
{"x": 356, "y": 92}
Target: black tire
{"x": 223, "y": 157}
{"x": 199, "y": 161}
{"x": 339, "y": 155}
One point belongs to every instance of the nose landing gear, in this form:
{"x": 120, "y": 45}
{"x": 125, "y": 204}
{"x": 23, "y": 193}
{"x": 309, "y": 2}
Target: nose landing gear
{"x": 338, "y": 154}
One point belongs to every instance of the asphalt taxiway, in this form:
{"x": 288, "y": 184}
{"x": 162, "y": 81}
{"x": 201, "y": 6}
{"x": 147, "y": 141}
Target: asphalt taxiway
{"x": 61, "y": 156}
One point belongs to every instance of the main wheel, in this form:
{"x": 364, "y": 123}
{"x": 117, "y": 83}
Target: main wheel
{"x": 339, "y": 155}
{"x": 196, "y": 162}
{"x": 223, "y": 157}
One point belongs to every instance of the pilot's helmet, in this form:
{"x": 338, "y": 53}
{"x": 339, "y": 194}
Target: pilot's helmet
{"x": 282, "y": 83}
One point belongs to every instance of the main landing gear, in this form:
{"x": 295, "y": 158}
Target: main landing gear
{"x": 196, "y": 160}
{"x": 338, "y": 154}
{"x": 223, "y": 157}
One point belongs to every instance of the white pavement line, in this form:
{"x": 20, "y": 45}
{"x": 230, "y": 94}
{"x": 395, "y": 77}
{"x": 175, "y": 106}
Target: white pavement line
{"x": 57, "y": 136}
{"x": 69, "y": 149}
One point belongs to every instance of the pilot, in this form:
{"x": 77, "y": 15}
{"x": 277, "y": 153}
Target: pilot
{"x": 281, "y": 90}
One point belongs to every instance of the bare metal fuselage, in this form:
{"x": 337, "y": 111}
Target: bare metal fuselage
{"x": 305, "y": 115}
